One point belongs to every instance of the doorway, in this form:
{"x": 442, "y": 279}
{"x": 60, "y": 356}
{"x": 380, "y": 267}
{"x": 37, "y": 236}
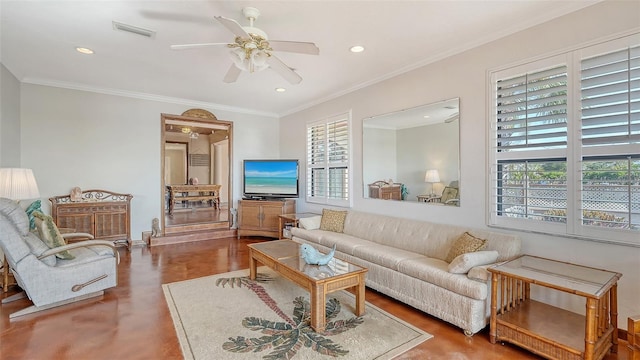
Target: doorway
{"x": 196, "y": 173}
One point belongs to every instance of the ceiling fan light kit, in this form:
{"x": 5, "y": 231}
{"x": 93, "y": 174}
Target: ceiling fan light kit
{"x": 251, "y": 50}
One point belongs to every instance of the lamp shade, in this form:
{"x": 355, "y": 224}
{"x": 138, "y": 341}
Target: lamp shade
{"x": 432, "y": 176}
{"x": 18, "y": 184}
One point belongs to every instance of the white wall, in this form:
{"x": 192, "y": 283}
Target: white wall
{"x": 97, "y": 141}
{"x": 428, "y": 147}
{"x": 9, "y": 119}
{"x": 380, "y": 155}
{"x": 465, "y": 76}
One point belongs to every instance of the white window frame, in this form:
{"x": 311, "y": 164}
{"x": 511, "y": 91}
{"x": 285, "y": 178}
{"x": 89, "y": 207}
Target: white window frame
{"x": 573, "y": 153}
{"x": 325, "y": 199}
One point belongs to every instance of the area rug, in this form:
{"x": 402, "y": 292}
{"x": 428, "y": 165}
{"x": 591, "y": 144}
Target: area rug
{"x": 228, "y": 316}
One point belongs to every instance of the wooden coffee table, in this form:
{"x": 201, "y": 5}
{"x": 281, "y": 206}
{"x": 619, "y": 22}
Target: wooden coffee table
{"x": 283, "y": 256}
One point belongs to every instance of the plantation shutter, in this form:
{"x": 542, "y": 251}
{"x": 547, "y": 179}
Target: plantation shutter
{"x": 328, "y": 161}
{"x": 532, "y": 111}
{"x": 610, "y": 86}
{"x": 316, "y": 176}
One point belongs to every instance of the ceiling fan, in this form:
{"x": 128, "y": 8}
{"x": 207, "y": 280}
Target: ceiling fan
{"x": 253, "y": 51}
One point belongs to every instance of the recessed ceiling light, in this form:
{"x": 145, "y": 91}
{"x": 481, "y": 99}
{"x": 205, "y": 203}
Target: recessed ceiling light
{"x": 357, "y": 49}
{"x": 426, "y": 116}
{"x": 281, "y": 89}
{"x": 83, "y": 50}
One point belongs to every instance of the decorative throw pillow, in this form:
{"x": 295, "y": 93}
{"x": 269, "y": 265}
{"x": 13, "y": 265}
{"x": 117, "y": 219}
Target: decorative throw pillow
{"x": 310, "y": 223}
{"x": 464, "y": 262}
{"x": 466, "y": 243}
{"x": 38, "y": 247}
{"x": 332, "y": 220}
{"x": 35, "y": 206}
{"x": 50, "y": 234}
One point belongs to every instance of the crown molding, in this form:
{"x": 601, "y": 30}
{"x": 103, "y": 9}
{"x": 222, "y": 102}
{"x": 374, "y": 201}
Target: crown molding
{"x": 525, "y": 24}
{"x": 146, "y": 96}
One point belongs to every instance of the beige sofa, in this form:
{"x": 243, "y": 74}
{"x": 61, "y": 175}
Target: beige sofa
{"x": 406, "y": 260}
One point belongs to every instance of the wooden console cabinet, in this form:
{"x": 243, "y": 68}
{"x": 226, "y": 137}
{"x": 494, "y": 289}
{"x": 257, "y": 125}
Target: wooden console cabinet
{"x": 103, "y": 214}
{"x": 261, "y": 217}
{"x": 385, "y": 191}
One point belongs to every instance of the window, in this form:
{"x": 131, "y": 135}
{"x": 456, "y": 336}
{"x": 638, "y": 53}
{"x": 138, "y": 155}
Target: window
{"x": 328, "y": 160}
{"x": 565, "y": 141}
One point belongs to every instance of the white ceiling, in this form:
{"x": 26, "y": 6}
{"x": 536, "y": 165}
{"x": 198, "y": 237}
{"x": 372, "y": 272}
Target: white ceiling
{"x": 38, "y": 40}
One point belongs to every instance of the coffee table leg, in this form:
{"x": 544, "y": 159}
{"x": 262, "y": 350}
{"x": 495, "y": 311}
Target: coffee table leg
{"x": 360, "y": 296}
{"x": 252, "y": 265}
{"x": 318, "y": 316}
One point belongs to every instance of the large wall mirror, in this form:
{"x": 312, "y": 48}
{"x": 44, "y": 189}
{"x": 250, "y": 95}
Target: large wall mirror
{"x": 413, "y": 155}
{"x": 196, "y": 172}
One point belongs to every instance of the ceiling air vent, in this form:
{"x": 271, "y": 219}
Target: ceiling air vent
{"x": 133, "y": 29}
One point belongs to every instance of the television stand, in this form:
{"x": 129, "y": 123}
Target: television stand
{"x": 261, "y": 217}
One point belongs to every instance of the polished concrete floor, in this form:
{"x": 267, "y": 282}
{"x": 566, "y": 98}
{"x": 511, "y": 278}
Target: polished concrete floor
{"x": 132, "y": 321}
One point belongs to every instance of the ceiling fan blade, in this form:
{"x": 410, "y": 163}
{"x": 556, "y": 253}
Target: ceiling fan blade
{"x": 233, "y": 26}
{"x": 281, "y": 68}
{"x": 232, "y": 75}
{"x": 194, "y": 46}
{"x": 295, "y": 47}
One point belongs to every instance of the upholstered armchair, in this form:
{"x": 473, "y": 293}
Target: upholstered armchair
{"x": 56, "y": 276}
{"x": 451, "y": 194}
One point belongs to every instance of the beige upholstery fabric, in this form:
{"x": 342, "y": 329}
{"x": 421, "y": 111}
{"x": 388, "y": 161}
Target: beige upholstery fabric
{"x": 310, "y": 223}
{"x": 466, "y": 243}
{"x": 405, "y": 259}
{"x": 464, "y": 262}
{"x": 332, "y": 220}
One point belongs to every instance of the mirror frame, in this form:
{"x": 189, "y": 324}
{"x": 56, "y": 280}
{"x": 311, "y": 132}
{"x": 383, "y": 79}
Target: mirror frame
{"x": 391, "y": 193}
{"x": 177, "y": 229}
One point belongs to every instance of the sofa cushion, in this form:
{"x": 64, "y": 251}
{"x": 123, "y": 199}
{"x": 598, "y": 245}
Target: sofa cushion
{"x": 332, "y": 220}
{"x": 435, "y": 271}
{"x": 50, "y": 234}
{"x": 465, "y": 243}
{"x": 310, "y": 223}
{"x": 383, "y": 255}
{"x": 464, "y": 262}
{"x": 344, "y": 243}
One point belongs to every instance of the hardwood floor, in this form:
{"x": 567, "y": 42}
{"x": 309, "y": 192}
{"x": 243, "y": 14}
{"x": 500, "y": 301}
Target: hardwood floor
{"x": 132, "y": 321}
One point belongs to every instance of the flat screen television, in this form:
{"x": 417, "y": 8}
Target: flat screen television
{"x": 266, "y": 179}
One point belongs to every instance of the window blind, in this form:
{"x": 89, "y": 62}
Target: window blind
{"x": 328, "y": 161}
{"x": 610, "y": 87}
{"x": 532, "y": 111}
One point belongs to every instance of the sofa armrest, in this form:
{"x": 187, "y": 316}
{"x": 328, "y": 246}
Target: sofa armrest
{"x": 87, "y": 243}
{"x": 480, "y": 273}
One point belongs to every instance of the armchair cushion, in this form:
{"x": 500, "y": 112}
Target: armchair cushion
{"x": 38, "y": 247}
{"x": 449, "y": 193}
{"x": 50, "y": 234}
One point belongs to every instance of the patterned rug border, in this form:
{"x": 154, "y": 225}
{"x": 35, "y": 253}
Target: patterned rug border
{"x": 186, "y": 347}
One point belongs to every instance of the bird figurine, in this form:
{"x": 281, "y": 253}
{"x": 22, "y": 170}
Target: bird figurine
{"x": 313, "y": 257}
